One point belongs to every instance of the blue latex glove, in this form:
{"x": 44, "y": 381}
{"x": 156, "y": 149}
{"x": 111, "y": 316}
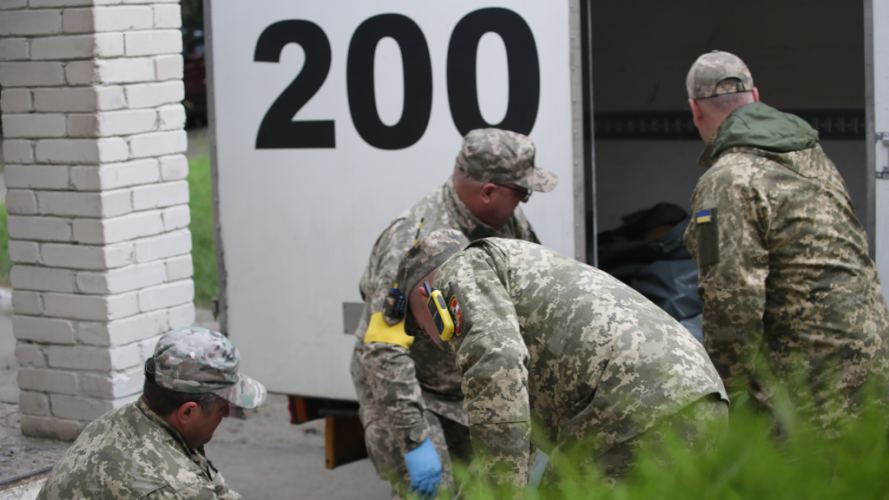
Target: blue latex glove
{"x": 536, "y": 475}
{"x": 424, "y": 466}
{"x": 539, "y": 467}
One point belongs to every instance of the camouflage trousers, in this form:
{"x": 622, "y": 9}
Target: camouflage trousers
{"x": 701, "y": 426}
{"x": 451, "y": 441}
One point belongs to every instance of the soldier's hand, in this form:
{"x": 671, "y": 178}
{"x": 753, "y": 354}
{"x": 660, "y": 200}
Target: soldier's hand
{"x": 424, "y": 467}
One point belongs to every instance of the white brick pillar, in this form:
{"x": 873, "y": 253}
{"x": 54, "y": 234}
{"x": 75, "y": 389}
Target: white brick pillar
{"x": 97, "y": 200}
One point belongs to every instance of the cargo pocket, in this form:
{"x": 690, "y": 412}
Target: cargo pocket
{"x": 707, "y": 233}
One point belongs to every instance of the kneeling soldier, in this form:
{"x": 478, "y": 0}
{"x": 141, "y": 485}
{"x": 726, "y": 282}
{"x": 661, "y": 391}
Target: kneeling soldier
{"x": 154, "y": 447}
{"x": 541, "y": 337}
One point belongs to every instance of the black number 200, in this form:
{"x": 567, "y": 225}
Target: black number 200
{"x": 279, "y": 131}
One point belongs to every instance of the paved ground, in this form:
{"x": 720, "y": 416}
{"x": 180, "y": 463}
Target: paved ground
{"x": 262, "y": 457}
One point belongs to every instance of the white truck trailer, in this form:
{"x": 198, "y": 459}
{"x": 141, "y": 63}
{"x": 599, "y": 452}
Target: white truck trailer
{"x": 329, "y": 118}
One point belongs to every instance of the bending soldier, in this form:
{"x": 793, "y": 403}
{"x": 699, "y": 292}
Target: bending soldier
{"x": 540, "y": 337}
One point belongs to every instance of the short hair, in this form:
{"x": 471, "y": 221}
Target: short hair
{"x": 165, "y": 401}
{"x": 726, "y": 103}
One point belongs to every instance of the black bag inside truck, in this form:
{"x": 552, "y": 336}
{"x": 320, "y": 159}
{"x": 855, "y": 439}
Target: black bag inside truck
{"x": 648, "y": 254}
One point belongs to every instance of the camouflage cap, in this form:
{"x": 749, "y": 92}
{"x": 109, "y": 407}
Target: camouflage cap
{"x": 717, "y": 73}
{"x": 198, "y": 360}
{"x": 427, "y": 255}
{"x": 503, "y": 157}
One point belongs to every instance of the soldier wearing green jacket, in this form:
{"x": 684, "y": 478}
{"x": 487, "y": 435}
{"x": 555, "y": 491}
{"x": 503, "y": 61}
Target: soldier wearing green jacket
{"x": 408, "y": 389}
{"x": 785, "y": 273}
{"x": 543, "y": 338}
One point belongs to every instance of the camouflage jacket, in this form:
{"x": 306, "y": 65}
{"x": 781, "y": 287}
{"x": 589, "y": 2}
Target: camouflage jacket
{"x": 131, "y": 452}
{"x": 404, "y": 382}
{"x": 784, "y": 268}
{"x": 545, "y": 338}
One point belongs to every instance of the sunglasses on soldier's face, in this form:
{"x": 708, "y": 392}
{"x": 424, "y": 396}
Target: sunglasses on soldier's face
{"x": 526, "y": 193}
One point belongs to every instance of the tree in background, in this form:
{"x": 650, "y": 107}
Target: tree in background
{"x": 192, "y": 13}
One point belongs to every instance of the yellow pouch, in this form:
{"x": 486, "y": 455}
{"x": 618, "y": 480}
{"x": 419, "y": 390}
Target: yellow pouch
{"x": 380, "y": 331}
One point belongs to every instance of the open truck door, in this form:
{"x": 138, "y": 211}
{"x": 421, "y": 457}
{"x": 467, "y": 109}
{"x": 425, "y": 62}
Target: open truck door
{"x": 330, "y": 118}
{"x": 876, "y": 15}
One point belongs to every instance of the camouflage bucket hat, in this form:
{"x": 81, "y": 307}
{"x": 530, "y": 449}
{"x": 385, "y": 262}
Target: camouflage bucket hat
{"x": 503, "y": 157}
{"x": 198, "y": 360}
{"x": 428, "y": 254}
{"x": 717, "y": 73}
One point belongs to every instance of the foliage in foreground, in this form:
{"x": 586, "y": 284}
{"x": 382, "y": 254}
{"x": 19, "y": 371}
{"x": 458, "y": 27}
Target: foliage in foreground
{"x": 750, "y": 465}
{"x": 203, "y": 241}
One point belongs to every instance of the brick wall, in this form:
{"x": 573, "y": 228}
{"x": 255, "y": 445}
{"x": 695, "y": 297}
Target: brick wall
{"x": 97, "y": 201}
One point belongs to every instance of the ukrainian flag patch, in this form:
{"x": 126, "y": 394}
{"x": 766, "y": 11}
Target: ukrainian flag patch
{"x": 702, "y": 217}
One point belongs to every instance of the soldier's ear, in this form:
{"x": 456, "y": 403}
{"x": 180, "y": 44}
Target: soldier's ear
{"x": 187, "y": 412}
{"x": 696, "y": 113}
{"x": 487, "y": 192}
{"x": 422, "y": 291}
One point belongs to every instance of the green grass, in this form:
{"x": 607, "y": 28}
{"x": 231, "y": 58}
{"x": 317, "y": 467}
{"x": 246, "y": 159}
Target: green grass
{"x": 5, "y": 263}
{"x": 203, "y": 241}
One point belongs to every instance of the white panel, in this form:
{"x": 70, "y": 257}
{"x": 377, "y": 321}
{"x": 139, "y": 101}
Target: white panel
{"x": 881, "y": 124}
{"x": 882, "y": 228}
{"x": 298, "y": 224}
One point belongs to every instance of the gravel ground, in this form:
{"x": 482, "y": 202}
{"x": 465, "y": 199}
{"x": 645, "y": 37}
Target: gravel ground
{"x": 20, "y": 455}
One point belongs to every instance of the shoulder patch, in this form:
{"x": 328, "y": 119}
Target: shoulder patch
{"x": 456, "y": 314}
{"x": 707, "y": 232}
{"x": 702, "y": 217}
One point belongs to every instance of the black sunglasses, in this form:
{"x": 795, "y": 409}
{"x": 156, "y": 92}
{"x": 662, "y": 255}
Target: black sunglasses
{"x": 526, "y": 193}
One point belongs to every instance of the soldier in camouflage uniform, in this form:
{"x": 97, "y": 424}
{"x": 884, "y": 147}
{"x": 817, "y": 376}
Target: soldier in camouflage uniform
{"x": 408, "y": 389}
{"x": 784, "y": 268}
{"x": 542, "y": 338}
{"x": 154, "y": 448}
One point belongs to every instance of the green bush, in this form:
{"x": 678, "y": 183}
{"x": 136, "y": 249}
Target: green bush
{"x": 203, "y": 241}
{"x": 751, "y": 464}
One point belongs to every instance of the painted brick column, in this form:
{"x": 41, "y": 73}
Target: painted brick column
{"x": 97, "y": 200}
